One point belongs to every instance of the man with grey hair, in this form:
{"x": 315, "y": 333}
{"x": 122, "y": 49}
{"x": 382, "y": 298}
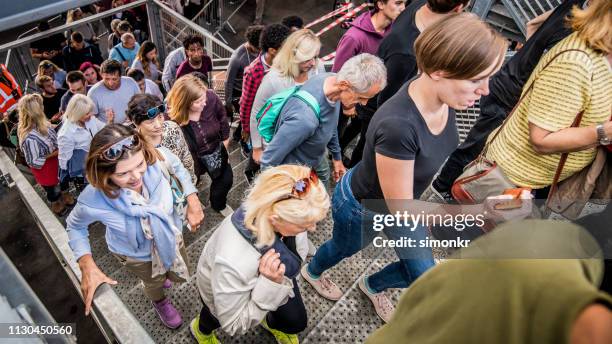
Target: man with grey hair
{"x": 301, "y": 137}
{"x": 125, "y": 52}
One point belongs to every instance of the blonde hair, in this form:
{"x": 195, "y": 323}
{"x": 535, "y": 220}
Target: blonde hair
{"x": 31, "y": 116}
{"x": 78, "y": 107}
{"x": 42, "y": 63}
{"x": 460, "y": 45}
{"x": 183, "y": 93}
{"x": 70, "y": 15}
{"x": 263, "y": 201}
{"x": 594, "y": 24}
{"x": 300, "y": 46}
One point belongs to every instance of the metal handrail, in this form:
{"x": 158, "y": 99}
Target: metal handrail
{"x": 192, "y": 25}
{"x": 62, "y": 28}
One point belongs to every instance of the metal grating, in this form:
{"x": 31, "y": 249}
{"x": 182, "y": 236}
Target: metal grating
{"x": 466, "y": 119}
{"x": 523, "y": 11}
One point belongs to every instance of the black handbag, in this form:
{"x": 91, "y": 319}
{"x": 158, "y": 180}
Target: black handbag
{"x": 215, "y": 162}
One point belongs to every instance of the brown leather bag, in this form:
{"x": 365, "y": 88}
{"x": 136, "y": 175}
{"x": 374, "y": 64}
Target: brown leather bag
{"x": 483, "y": 178}
{"x": 593, "y": 183}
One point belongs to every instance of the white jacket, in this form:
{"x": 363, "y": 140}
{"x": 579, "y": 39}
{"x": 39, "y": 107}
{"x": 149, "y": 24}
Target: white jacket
{"x": 230, "y": 284}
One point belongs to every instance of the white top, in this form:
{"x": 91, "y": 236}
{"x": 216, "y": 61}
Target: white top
{"x": 118, "y": 99}
{"x": 230, "y": 284}
{"x": 155, "y": 73}
{"x": 72, "y": 136}
{"x": 152, "y": 89}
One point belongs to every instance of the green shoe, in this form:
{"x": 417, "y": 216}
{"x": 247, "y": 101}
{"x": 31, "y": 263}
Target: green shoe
{"x": 281, "y": 337}
{"x": 201, "y": 337}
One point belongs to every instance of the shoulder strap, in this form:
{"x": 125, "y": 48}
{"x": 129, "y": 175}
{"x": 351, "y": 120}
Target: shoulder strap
{"x": 562, "y": 160}
{"x": 311, "y": 101}
{"x": 120, "y": 53}
{"x": 527, "y": 90}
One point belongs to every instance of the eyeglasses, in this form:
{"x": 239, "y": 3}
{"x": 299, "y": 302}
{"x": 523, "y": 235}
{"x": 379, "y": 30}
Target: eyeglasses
{"x": 154, "y": 111}
{"x": 117, "y": 149}
{"x": 301, "y": 187}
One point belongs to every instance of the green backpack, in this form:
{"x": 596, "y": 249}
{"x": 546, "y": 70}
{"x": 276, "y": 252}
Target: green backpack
{"x": 267, "y": 117}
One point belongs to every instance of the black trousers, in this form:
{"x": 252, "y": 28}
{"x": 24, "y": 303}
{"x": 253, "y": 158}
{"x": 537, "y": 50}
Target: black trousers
{"x": 289, "y": 318}
{"x": 220, "y": 187}
{"x": 348, "y": 129}
{"x": 251, "y": 169}
{"x": 491, "y": 117}
{"x": 55, "y": 192}
{"x": 358, "y": 150}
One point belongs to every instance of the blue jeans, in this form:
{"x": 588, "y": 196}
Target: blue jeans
{"x": 350, "y": 237}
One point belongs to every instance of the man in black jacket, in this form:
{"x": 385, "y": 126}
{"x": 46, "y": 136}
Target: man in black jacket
{"x": 79, "y": 51}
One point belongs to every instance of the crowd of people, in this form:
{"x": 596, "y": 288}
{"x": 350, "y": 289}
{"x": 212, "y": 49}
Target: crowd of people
{"x": 135, "y": 135}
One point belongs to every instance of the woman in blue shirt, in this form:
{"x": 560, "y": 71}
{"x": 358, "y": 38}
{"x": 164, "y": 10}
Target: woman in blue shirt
{"x": 130, "y": 192}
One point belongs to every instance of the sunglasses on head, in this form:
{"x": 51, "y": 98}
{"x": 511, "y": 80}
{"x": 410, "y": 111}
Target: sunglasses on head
{"x": 301, "y": 187}
{"x": 117, "y": 149}
{"x": 47, "y": 65}
{"x": 155, "y": 111}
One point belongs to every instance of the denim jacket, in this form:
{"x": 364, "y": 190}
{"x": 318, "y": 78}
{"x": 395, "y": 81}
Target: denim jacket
{"x": 94, "y": 206}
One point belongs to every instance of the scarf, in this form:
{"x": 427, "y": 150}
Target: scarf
{"x": 158, "y": 225}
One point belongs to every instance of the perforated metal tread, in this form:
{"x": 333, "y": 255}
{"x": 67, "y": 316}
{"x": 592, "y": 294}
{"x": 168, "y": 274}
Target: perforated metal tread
{"x": 186, "y": 297}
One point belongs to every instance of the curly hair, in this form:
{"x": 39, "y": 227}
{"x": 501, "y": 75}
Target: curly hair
{"x": 273, "y": 36}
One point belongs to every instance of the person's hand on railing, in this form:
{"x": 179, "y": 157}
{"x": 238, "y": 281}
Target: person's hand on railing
{"x": 91, "y": 278}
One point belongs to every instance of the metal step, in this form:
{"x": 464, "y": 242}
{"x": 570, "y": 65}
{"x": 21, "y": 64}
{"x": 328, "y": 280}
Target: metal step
{"x": 328, "y": 320}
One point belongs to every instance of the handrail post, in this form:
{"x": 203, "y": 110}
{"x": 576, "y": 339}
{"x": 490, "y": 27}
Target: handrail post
{"x": 155, "y": 27}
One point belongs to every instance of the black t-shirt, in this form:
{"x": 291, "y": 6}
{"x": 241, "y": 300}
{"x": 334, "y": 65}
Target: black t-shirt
{"x": 52, "y": 104}
{"x": 397, "y": 50}
{"x": 52, "y": 43}
{"x": 398, "y": 131}
{"x": 507, "y": 84}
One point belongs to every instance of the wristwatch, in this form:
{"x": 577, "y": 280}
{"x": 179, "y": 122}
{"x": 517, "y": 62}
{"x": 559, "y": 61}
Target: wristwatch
{"x": 601, "y": 136}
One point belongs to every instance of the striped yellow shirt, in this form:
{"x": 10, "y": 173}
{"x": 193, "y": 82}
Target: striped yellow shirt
{"x": 574, "y": 81}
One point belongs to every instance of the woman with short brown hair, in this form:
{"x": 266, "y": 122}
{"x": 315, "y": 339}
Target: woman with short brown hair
{"x": 134, "y": 192}
{"x": 201, "y": 115}
{"x": 409, "y": 138}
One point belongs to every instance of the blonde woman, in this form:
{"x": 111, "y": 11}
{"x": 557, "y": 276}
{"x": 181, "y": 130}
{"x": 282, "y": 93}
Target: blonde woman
{"x": 38, "y": 142}
{"x": 146, "y": 61}
{"x": 73, "y": 139}
{"x": 201, "y": 115}
{"x": 576, "y": 79}
{"x": 295, "y": 63}
{"x": 87, "y": 29}
{"x": 246, "y": 273}
{"x": 50, "y": 69}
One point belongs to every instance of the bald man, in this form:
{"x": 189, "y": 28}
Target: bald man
{"x": 125, "y": 51}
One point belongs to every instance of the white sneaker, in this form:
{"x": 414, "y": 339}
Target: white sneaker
{"x": 227, "y": 211}
{"x": 382, "y": 305}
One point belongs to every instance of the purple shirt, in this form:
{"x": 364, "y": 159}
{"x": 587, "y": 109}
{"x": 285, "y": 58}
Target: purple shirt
{"x": 360, "y": 38}
{"x": 186, "y": 68}
{"x": 212, "y": 127}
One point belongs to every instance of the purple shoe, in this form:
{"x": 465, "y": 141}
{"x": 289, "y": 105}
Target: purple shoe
{"x": 167, "y": 284}
{"x": 167, "y": 313}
